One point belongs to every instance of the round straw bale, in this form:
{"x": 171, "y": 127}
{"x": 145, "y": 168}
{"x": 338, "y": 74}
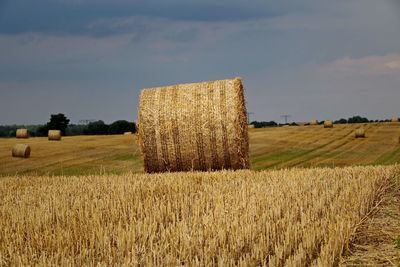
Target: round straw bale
{"x": 395, "y": 119}
{"x": 54, "y": 135}
{"x": 197, "y": 126}
{"x": 328, "y": 124}
{"x": 22, "y": 133}
{"x": 21, "y": 151}
{"x": 313, "y": 122}
{"x": 359, "y": 133}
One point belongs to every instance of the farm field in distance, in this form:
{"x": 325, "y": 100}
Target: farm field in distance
{"x": 270, "y": 148}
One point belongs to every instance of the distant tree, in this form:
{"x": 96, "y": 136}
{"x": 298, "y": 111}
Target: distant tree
{"x": 121, "y": 126}
{"x": 357, "y": 119}
{"x": 41, "y": 130}
{"x": 58, "y": 122}
{"x": 96, "y": 128}
{"x": 8, "y": 130}
{"x": 262, "y": 124}
{"x": 3, "y": 131}
{"x": 341, "y": 121}
{"x": 76, "y": 129}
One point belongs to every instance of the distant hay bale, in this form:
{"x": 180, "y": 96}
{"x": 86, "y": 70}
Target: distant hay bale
{"x": 54, "y": 135}
{"x": 395, "y": 119}
{"x": 328, "y": 124}
{"x": 313, "y": 122}
{"x": 21, "y": 151}
{"x": 127, "y": 133}
{"x": 359, "y": 133}
{"x": 251, "y": 126}
{"x": 22, "y": 133}
{"x": 197, "y": 126}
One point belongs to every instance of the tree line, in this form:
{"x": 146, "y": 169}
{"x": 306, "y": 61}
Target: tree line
{"x": 354, "y": 119}
{"x": 62, "y": 123}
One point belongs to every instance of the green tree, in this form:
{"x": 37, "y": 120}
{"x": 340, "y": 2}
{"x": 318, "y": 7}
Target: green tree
{"x": 76, "y": 129}
{"x": 341, "y": 121}
{"x": 58, "y": 122}
{"x": 262, "y": 124}
{"x": 357, "y": 119}
{"x": 96, "y": 128}
{"x": 121, "y": 126}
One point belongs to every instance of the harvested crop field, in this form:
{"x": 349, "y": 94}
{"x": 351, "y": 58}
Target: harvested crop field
{"x": 291, "y": 217}
{"x": 270, "y": 148}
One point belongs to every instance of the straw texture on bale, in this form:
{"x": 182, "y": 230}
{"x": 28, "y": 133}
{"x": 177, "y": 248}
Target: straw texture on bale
{"x": 197, "y": 126}
{"x": 313, "y": 122}
{"x": 54, "y": 135}
{"x": 395, "y": 119}
{"x": 359, "y": 133}
{"x": 22, "y": 133}
{"x": 21, "y": 151}
{"x": 328, "y": 124}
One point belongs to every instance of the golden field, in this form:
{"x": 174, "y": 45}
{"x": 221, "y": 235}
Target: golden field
{"x": 85, "y": 201}
{"x": 270, "y": 148}
{"x": 292, "y": 217}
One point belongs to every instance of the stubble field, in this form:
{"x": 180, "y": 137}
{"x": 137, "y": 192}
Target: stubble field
{"x": 84, "y": 201}
{"x": 296, "y": 217}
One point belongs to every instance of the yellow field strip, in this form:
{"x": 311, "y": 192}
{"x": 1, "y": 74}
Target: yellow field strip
{"x": 293, "y": 217}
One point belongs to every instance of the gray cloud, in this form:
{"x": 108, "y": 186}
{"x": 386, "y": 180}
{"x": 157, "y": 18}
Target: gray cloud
{"x": 318, "y": 59}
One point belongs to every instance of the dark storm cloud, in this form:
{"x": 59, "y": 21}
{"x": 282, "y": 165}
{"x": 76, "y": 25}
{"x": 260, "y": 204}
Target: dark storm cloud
{"x": 73, "y": 17}
{"x": 90, "y": 58}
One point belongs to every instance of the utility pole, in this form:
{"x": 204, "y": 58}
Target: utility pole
{"x": 248, "y": 116}
{"x": 286, "y": 117}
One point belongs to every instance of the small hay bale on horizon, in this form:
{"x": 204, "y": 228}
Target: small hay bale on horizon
{"x": 251, "y": 126}
{"x": 128, "y": 133}
{"x": 21, "y": 151}
{"x": 395, "y": 119}
{"x": 328, "y": 124}
{"x": 359, "y": 133}
{"x": 194, "y": 127}
{"x": 22, "y": 133}
{"x": 313, "y": 122}
{"x": 54, "y": 135}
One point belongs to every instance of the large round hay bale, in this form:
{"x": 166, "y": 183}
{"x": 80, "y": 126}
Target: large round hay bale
{"x": 359, "y": 133}
{"x": 21, "y": 151}
{"x": 197, "y": 126}
{"x": 54, "y": 135}
{"x": 313, "y": 122}
{"x": 22, "y": 133}
{"x": 395, "y": 119}
{"x": 328, "y": 124}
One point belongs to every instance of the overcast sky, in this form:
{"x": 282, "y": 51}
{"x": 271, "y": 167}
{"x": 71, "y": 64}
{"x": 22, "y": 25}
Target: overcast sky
{"x": 89, "y": 59}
